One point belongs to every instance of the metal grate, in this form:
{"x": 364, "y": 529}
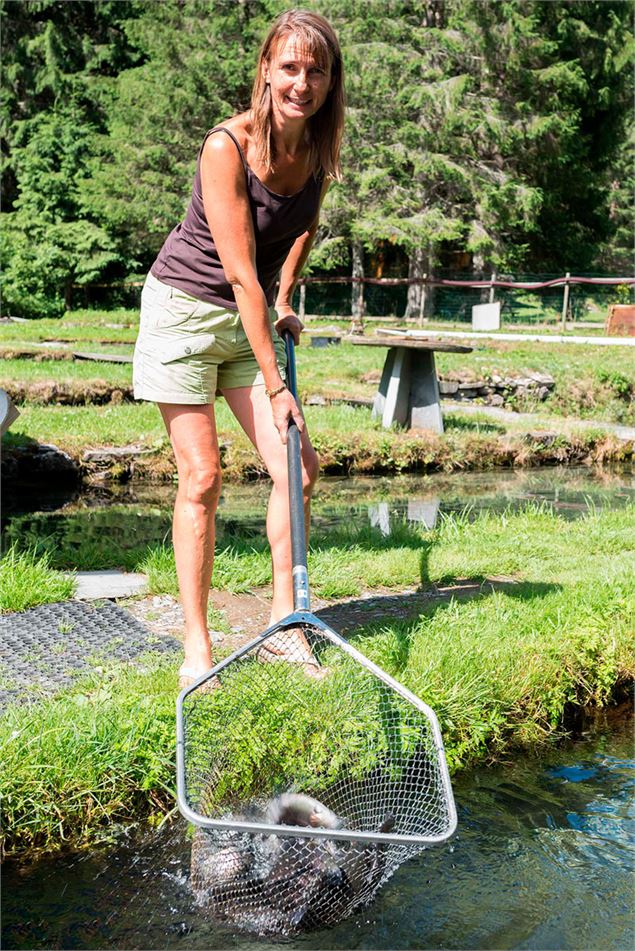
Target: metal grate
{"x": 46, "y": 647}
{"x": 260, "y": 735}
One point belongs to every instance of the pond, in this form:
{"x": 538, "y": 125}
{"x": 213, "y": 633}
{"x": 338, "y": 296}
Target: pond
{"x": 543, "y": 859}
{"x": 112, "y": 527}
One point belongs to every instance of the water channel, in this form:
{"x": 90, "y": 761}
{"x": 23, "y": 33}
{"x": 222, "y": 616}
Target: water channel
{"x": 543, "y": 858}
{"x": 545, "y": 852}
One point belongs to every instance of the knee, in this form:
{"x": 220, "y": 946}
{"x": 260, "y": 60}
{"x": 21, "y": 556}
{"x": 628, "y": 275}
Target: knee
{"x": 201, "y": 485}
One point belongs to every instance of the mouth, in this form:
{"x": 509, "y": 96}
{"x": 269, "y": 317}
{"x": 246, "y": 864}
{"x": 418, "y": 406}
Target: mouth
{"x": 298, "y": 102}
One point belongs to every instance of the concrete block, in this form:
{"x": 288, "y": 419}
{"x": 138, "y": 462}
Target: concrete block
{"x": 94, "y": 585}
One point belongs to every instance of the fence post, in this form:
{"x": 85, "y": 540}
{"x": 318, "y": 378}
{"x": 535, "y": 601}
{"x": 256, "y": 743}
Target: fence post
{"x": 302, "y": 308}
{"x": 565, "y": 300}
{"x": 491, "y": 287}
{"x": 422, "y": 300}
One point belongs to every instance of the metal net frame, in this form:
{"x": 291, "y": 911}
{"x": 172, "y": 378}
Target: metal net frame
{"x": 259, "y": 734}
{"x": 309, "y": 772}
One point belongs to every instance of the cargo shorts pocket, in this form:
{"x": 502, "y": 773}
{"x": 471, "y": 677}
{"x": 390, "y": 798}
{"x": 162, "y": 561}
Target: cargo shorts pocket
{"x": 188, "y": 347}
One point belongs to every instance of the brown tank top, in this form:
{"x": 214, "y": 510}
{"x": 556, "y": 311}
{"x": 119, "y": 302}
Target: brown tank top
{"x": 189, "y": 259}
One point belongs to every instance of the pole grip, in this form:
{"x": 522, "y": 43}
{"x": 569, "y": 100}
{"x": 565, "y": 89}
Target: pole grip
{"x": 301, "y": 596}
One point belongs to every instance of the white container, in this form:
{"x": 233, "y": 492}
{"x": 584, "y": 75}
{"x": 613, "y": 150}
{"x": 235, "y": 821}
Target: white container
{"x": 486, "y": 316}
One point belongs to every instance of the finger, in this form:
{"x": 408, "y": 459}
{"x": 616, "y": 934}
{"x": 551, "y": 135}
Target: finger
{"x": 298, "y": 419}
{"x": 283, "y": 430}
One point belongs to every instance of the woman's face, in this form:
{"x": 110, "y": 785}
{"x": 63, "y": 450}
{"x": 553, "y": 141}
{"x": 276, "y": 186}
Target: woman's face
{"x": 299, "y": 84}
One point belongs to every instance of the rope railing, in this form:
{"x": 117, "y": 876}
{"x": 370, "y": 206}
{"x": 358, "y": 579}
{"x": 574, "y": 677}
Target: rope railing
{"x": 432, "y": 281}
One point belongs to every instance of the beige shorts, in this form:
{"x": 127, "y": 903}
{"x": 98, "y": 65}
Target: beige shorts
{"x": 188, "y": 350}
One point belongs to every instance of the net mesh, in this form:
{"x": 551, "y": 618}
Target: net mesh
{"x": 275, "y": 739}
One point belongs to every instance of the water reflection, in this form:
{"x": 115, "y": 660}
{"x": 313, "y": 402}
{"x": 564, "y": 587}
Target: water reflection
{"x": 108, "y": 527}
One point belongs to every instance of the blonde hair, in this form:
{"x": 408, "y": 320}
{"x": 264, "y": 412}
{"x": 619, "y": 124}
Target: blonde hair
{"x": 318, "y": 37}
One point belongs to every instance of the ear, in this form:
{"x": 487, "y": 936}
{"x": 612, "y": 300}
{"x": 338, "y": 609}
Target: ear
{"x": 265, "y": 71}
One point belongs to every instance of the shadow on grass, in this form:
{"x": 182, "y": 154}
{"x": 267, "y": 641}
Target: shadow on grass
{"x": 361, "y": 617}
{"x": 474, "y": 424}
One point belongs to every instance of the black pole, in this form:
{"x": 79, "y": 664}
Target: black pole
{"x": 301, "y": 597}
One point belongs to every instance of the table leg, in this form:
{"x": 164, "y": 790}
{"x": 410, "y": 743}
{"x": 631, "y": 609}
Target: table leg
{"x": 425, "y": 403}
{"x": 392, "y": 402}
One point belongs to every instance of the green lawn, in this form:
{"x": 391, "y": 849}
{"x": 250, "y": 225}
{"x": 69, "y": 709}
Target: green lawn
{"x": 590, "y": 382}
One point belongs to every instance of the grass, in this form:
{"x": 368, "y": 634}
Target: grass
{"x": 66, "y": 371}
{"x": 27, "y": 579}
{"x": 499, "y": 667}
{"x": 342, "y": 563}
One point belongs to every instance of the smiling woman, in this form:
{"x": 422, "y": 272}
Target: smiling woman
{"x": 211, "y": 319}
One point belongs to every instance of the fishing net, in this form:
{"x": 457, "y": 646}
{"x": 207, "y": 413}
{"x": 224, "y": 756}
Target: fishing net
{"x": 309, "y": 785}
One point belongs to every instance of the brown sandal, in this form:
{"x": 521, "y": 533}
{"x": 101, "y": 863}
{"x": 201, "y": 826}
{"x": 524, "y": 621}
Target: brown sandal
{"x": 274, "y": 653}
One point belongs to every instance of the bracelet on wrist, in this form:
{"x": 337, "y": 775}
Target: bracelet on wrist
{"x": 278, "y": 389}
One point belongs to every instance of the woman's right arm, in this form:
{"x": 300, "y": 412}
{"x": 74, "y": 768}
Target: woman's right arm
{"x": 228, "y": 214}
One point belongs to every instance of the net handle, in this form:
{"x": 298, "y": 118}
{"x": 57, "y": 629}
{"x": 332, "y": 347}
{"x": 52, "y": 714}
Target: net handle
{"x": 300, "y": 575}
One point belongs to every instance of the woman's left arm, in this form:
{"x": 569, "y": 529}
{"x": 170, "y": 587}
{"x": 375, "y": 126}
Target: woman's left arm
{"x": 291, "y": 270}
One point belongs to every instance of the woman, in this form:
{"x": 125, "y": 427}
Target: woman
{"x": 210, "y": 317}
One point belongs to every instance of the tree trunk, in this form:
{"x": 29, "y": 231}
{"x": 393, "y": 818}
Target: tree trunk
{"x": 434, "y": 13}
{"x": 420, "y": 303}
{"x": 358, "y": 306}
{"x": 68, "y": 295}
{"x": 416, "y": 272}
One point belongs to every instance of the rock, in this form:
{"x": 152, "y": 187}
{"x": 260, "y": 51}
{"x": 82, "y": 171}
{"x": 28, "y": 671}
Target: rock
{"x": 448, "y": 387}
{"x": 543, "y": 392}
{"x": 543, "y": 378}
{"x": 109, "y": 454}
{"x": 315, "y": 401}
{"x": 496, "y": 400}
{"x": 40, "y": 463}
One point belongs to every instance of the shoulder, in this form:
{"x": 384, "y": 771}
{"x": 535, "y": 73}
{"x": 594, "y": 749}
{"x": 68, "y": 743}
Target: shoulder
{"x": 222, "y": 144}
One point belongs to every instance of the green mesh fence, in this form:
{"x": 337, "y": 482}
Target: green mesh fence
{"x": 587, "y": 303}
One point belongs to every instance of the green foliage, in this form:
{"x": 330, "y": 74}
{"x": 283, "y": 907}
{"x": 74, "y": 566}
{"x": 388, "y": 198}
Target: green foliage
{"x": 101, "y": 753}
{"x": 42, "y": 259}
{"x": 500, "y": 129}
{"x": 617, "y": 381}
{"x": 27, "y": 579}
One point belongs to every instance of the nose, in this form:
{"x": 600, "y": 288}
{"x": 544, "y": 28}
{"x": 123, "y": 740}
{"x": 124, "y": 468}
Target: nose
{"x": 302, "y": 80}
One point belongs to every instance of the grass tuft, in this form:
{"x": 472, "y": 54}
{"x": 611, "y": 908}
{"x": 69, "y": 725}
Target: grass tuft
{"x": 27, "y": 579}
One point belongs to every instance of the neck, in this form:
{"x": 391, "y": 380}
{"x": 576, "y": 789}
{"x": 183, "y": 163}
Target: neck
{"x": 288, "y": 135}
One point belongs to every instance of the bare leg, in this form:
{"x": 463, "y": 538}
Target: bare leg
{"x": 252, "y": 409}
{"x": 192, "y": 431}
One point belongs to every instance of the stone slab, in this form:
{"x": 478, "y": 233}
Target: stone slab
{"x": 93, "y": 585}
{"x": 46, "y": 648}
{"x": 102, "y": 357}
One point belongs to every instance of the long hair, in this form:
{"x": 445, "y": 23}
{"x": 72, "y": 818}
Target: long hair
{"x": 317, "y": 36}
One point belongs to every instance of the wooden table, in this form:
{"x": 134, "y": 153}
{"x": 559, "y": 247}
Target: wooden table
{"x": 409, "y": 390}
